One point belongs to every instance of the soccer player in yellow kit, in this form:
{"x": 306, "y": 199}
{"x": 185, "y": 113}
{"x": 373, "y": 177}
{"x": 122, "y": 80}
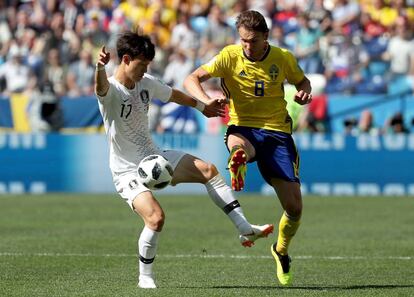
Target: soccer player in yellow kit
{"x": 252, "y": 78}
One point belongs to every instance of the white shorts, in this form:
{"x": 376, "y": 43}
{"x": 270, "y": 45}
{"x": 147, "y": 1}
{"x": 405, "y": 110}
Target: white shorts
{"x": 127, "y": 184}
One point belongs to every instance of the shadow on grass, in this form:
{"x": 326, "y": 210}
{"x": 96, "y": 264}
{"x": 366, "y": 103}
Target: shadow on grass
{"x": 317, "y": 288}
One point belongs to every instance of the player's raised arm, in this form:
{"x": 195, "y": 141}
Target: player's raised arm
{"x": 101, "y": 80}
{"x": 211, "y": 108}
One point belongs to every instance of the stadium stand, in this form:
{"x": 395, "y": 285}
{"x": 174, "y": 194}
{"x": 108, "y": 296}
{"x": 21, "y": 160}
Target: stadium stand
{"x": 364, "y": 50}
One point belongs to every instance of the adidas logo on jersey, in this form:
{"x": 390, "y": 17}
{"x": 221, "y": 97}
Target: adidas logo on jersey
{"x": 242, "y": 73}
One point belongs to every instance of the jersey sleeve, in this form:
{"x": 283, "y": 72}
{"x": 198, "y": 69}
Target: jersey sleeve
{"x": 161, "y": 90}
{"x": 294, "y": 74}
{"x": 217, "y": 65}
{"x": 108, "y": 96}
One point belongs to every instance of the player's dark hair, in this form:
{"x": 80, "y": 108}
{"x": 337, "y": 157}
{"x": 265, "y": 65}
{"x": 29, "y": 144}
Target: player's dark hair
{"x": 135, "y": 45}
{"x": 252, "y": 20}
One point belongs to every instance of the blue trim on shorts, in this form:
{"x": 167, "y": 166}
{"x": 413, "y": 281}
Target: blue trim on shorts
{"x": 276, "y": 153}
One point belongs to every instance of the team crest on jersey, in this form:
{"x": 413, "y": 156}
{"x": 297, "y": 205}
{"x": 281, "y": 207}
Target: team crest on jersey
{"x": 144, "y": 96}
{"x": 273, "y": 72}
{"x": 133, "y": 184}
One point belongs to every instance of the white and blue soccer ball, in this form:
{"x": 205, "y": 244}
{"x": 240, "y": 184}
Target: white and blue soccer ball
{"x": 155, "y": 172}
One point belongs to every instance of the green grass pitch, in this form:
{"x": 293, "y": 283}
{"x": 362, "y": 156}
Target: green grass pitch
{"x": 85, "y": 245}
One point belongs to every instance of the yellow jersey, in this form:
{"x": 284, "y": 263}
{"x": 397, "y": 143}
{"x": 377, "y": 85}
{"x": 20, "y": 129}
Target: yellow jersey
{"x": 255, "y": 88}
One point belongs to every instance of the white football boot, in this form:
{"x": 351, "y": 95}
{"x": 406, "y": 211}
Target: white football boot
{"x": 146, "y": 282}
{"x": 247, "y": 240}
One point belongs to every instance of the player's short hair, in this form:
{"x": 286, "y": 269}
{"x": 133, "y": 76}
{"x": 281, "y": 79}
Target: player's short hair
{"x": 135, "y": 45}
{"x": 252, "y": 20}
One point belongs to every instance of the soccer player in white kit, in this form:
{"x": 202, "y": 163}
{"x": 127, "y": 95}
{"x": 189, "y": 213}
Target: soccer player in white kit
{"x": 123, "y": 102}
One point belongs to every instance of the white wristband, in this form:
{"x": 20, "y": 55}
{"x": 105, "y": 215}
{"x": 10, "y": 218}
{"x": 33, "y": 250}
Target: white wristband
{"x": 100, "y": 67}
{"x": 200, "y": 106}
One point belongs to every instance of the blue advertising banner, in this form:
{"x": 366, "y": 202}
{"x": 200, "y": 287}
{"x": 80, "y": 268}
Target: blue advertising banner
{"x": 38, "y": 163}
{"x": 331, "y": 164}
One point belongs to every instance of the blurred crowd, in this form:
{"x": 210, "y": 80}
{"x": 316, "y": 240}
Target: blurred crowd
{"x": 355, "y": 47}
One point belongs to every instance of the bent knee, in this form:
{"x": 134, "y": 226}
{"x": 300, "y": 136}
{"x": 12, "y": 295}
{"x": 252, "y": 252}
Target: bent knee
{"x": 155, "y": 221}
{"x": 209, "y": 171}
{"x": 294, "y": 210}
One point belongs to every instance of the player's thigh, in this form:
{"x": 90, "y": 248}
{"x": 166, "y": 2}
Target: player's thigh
{"x": 128, "y": 187}
{"x": 191, "y": 169}
{"x": 289, "y": 195}
{"x": 279, "y": 158}
{"x": 235, "y": 136}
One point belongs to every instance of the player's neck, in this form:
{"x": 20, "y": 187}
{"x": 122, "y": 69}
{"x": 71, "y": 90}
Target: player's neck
{"x": 266, "y": 47}
{"x": 121, "y": 77}
{"x": 262, "y": 55}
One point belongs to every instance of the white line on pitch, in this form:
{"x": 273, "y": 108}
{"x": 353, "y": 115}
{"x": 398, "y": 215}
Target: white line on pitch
{"x": 204, "y": 255}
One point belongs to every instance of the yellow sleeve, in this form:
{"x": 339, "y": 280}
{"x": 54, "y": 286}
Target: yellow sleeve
{"x": 294, "y": 74}
{"x": 216, "y": 67}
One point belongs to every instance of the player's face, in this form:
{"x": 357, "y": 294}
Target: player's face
{"x": 136, "y": 68}
{"x": 254, "y": 43}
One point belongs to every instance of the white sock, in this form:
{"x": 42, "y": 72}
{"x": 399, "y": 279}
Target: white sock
{"x": 147, "y": 248}
{"x": 222, "y": 196}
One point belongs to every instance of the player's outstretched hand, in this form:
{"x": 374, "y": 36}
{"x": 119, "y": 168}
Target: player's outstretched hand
{"x": 104, "y": 57}
{"x": 215, "y": 108}
{"x": 302, "y": 98}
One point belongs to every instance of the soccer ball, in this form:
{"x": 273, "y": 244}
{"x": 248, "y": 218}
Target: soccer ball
{"x": 155, "y": 172}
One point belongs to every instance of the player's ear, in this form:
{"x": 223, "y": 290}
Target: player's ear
{"x": 266, "y": 35}
{"x": 126, "y": 59}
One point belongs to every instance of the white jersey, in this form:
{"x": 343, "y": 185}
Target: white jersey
{"x": 125, "y": 117}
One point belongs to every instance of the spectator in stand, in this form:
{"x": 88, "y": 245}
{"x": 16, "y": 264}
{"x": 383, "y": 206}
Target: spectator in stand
{"x": 285, "y": 16}
{"x": 381, "y": 13}
{"x": 22, "y": 19}
{"x": 351, "y": 126}
{"x": 183, "y": 37}
{"x": 216, "y": 35}
{"x": 371, "y": 28}
{"x": 94, "y": 32}
{"x": 117, "y": 25}
{"x": 307, "y": 45}
{"x": 70, "y": 10}
{"x": 277, "y": 37}
{"x": 155, "y": 26}
{"x": 312, "y": 117}
{"x": 5, "y": 31}
{"x": 400, "y": 51}
{"x": 236, "y": 8}
{"x": 396, "y": 125}
{"x": 178, "y": 68}
{"x": 319, "y": 16}
{"x": 366, "y": 123}
{"x": 54, "y": 72}
{"x": 174, "y": 117}
{"x": 80, "y": 77}
{"x": 17, "y": 76}
{"x": 58, "y": 38}
{"x": 342, "y": 68}
{"x": 345, "y": 16}
{"x": 35, "y": 45}
{"x": 403, "y": 10}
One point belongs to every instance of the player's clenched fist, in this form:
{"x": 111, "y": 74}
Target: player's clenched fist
{"x": 303, "y": 98}
{"x": 104, "y": 57}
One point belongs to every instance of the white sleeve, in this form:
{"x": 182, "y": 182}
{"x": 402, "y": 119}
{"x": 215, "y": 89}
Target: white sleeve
{"x": 161, "y": 90}
{"x": 108, "y": 96}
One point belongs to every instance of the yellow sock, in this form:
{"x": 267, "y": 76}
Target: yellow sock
{"x": 287, "y": 229}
